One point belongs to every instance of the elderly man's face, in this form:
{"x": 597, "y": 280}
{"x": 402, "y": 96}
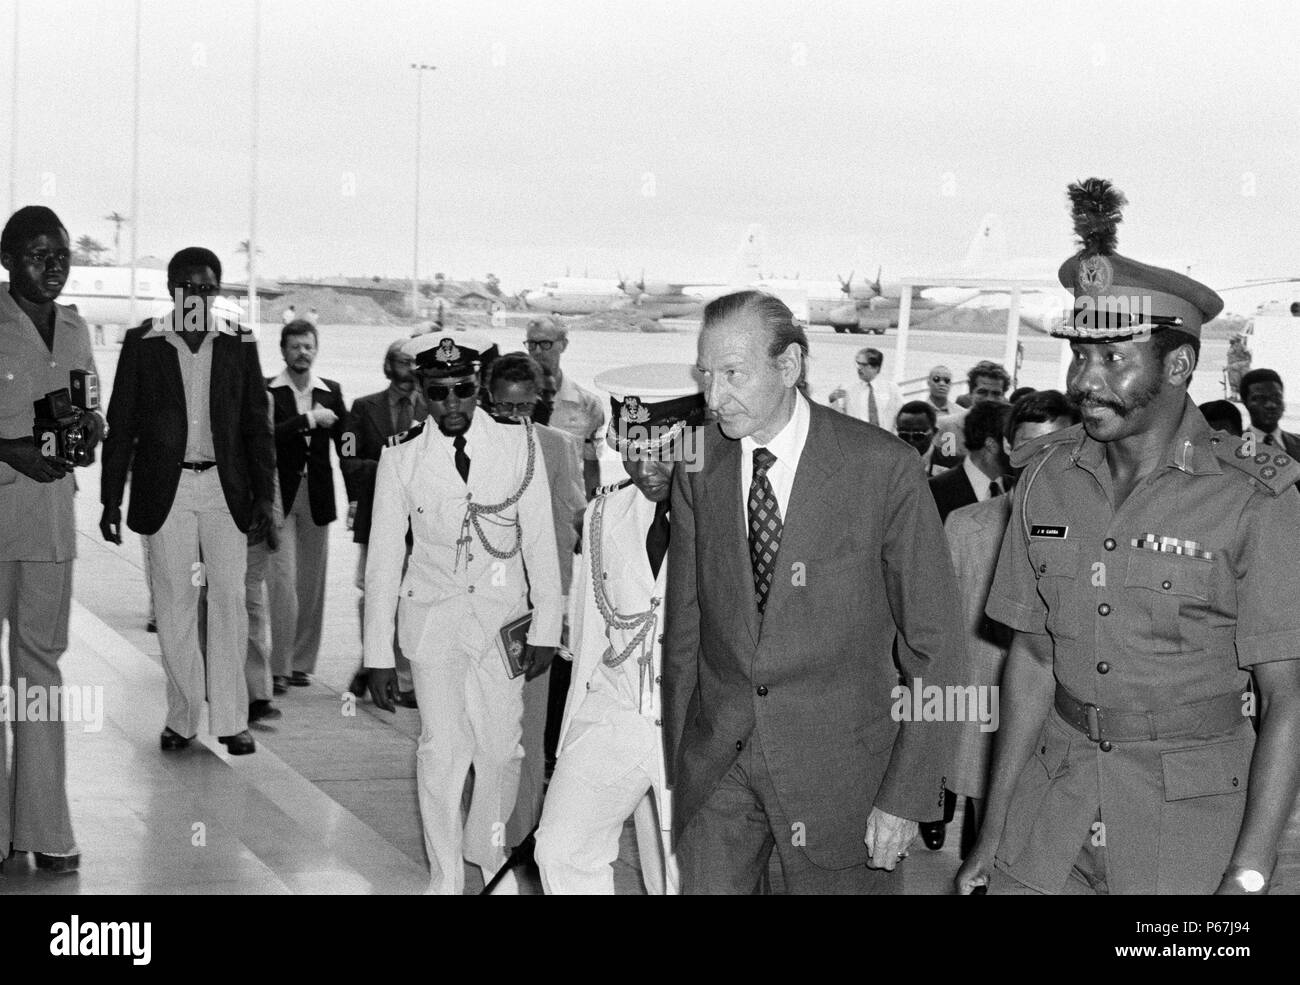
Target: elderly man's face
{"x": 399, "y": 367}
{"x": 868, "y": 370}
{"x": 745, "y": 388}
{"x": 546, "y": 342}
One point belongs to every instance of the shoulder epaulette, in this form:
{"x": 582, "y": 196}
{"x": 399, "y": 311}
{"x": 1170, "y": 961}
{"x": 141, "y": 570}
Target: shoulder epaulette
{"x": 1269, "y": 466}
{"x": 612, "y": 487}
{"x": 404, "y": 436}
{"x": 1031, "y": 449}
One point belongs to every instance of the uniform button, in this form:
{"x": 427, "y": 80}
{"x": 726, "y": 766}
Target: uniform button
{"x": 468, "y": 497}
{"x": 659, "y": 680}
{"x": 1166, "y": 585}
{"x": 419, "y": 509}
{"x": 659, "y": 723}
{"x": 1103, "y": 609}
{"x": 1103, "y": 668}
{"x": 739, "y": 745}
{"x": 470, "y": 557}
{"x": 1104, "y": 745}
{"x": 762, "y": 690}
{"x": 661, "y": 639}
{"x": 1042, "y": 568}
{"x": 1108, "y": 543}
{"x": 1234, "y": 781}
{"x": 1043, "y": 750}
{"x": 471, "y": 589}
{"x": 410, "y": 594}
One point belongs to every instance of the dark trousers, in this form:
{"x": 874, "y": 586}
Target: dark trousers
{"x": 726, "y": 846}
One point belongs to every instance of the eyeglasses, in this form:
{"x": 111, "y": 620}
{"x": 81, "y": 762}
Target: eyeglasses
{"x": 439, "y": 391}
{"x": 42, "y": 258}
{"x": 524, "y": 409}
{"x": 202, "y": 290}
{"x": 940, "y": 379}
{"x": 918, "y": 435}
{"x": 535, "y": 344}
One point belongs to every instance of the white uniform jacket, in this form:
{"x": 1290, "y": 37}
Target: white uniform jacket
{"x": 458, "y": 588}
{"x": 631, "y": 589}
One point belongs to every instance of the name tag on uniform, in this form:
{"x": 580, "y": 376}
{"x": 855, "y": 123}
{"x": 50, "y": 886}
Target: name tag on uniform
{"x": 1055, "y": 530}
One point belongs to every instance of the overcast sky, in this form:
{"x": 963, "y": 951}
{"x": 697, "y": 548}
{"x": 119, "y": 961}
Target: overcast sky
{"x": 621, "y": 135}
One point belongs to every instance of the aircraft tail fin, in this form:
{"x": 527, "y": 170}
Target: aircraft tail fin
{"x": 749, "y": 255}
{"x": 989, "y": 246}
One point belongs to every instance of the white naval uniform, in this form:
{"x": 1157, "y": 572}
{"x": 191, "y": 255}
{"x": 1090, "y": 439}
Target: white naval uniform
{"x": 449, "y": 613}
{"x": 611, "y": 743}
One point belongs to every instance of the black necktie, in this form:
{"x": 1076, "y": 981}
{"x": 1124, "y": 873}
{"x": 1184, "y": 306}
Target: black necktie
{"x": 1268, "y": 439}
{"x": 764, "y": 526}
{"x": 995, "y": 489}
{"x": 462, "y": 460}
{"x": 656, "y": 538}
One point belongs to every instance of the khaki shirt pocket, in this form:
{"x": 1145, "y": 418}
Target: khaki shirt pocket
{"x": 1056, "y": 566}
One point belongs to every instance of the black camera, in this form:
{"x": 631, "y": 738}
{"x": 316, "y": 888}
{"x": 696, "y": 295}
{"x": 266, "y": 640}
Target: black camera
{"x": 57, "y": 429}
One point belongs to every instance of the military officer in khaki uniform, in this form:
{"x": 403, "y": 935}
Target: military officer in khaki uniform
{"x": 611, "y": 743}
{"x": 1148, "y": 571}
{"x": 476, "y": 498}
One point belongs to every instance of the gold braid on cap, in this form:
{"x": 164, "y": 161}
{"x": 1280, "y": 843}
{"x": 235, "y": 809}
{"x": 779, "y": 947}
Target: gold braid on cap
{"x": 643, "y": 623}
{"x": 473, "y": 511}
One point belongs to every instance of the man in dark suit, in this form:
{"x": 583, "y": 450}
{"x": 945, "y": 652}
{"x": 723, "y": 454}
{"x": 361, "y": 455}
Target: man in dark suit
{"x": 188, "y": 421}
{"x": 982, "y": 473}
{"x": 1262, "y": 393}
{"x": 374, "y": 419}
{"x": 779, "y": 665}
{"x": 309, "y": 414}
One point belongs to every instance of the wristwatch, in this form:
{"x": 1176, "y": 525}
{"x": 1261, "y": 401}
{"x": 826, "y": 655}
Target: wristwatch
{"x": 1249, "y": 880}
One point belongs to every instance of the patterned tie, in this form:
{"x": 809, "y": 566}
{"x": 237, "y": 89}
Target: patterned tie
{"x": 656, "y": 538}
{"x": 764, "y": 526}
{"x": 873, "y": 416}
{"x": 462, "y": 460}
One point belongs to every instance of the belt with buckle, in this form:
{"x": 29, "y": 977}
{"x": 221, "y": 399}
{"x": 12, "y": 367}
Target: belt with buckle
{"x": 197, "y": 466}
{"x": 1209, "y": 717}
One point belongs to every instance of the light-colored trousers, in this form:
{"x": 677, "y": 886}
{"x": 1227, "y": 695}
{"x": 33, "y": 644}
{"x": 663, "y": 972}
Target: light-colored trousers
{"x": 35, "y": 599}
{"x": 470, "y": 714}
{"x": 257, "y": 665}
{"x": 296, "y": 589}
{"x": 608, "y": 768}
{"x": 402, "y": 665}
{"x": 199, "y": 525}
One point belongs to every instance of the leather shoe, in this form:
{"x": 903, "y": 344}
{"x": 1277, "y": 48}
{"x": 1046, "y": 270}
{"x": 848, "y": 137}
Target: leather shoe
{"x": 300, "y": 679}
{"x": 58, "y": 864}
{"x": 279, "y": 685}
{"x": 933, "y": 834}
{"x": 407, "y": 699}
{"x": 152, "y": 627}
{"x": 172, "y": 741}
{"x": 262, "y": 710}
{"x": 238, "y": 745}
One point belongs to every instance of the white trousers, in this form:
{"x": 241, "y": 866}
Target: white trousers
{"x": 199, "y": 525}
{"x": 470, "y": 714}
{"x": 608, "y": 768}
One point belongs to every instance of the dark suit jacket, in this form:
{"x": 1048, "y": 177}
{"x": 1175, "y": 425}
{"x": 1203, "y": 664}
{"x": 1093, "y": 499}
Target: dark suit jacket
{"x": 292, "y": 453}
{"x": 1292, "y": 444}
{"x": 862, "y": 559}
{"x": 369, "y": 426}
{"x": 147, "y": 428}
{"x": 952, "y": 490}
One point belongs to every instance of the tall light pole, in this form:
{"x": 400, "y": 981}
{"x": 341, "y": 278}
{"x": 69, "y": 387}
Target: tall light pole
{"x": 13, "y": 127}
{"x": 135, "y": 170}
{"x": 253, "y": 314}
{"x": 420, "y": 69}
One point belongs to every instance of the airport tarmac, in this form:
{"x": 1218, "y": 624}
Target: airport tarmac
{"x": 327, "y": 804}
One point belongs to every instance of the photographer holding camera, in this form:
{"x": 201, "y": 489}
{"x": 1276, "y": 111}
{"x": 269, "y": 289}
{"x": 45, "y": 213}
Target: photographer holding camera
{"x": 41, "y": 345}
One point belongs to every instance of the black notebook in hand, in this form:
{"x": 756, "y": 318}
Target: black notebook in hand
{"x": 512, "y": 640}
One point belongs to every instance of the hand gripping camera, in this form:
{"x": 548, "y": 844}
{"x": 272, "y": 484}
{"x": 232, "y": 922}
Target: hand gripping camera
{"x": 57, "y": 427}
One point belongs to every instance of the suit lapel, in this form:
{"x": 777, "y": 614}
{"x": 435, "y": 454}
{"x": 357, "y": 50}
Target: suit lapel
{"x": 725, "y": 511}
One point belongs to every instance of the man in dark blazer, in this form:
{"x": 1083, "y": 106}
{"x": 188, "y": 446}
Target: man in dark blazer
{"x": 1263, "y": 394}
{"x": 374, "y": 419}
{"x": 982, "y": 473}
{"x": 309, "y": 415}
{"x": 188, "y": 422}
{"x": 804, "y": 544}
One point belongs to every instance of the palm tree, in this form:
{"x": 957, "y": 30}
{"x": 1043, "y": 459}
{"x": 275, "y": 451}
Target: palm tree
{"x": 117, "y": 219}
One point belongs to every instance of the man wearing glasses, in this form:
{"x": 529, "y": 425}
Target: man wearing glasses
{"x": 576, "y": 411}
{"x": 188, "y": 421}
{"x": 474, "y": 494}
{"x": 40, "y": 343}
{"x": 869, "y": 398}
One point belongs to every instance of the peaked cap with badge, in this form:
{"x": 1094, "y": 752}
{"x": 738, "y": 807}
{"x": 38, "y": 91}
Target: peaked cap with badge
{"x": 1116, "y": 298}
{"x": 651, "y": 404}
{"x": 451, "y": 354}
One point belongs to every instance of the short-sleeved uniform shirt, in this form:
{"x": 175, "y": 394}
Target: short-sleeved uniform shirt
{"x": 1166, "y": 601}
{"x": 580, "y": 414}
{"x": 37, "y": 521}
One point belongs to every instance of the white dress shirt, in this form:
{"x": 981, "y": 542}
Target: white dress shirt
{"x": 787, "y": 446}
{"x": 888, "y": 400}
{"x": 979, "y": 481}
{"x": 1261, "y": 435}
